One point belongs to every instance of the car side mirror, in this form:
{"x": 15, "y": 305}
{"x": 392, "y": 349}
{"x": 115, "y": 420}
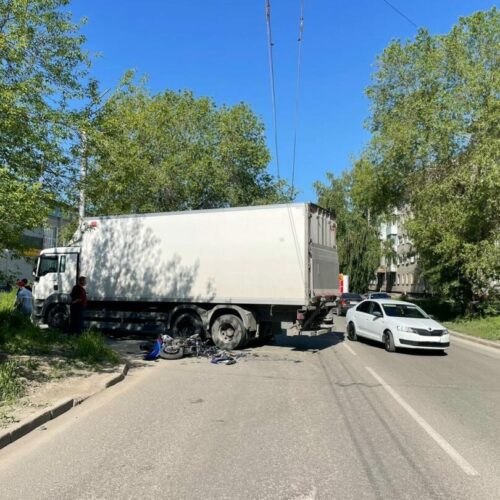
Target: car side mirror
{"x": 377, "y": 314}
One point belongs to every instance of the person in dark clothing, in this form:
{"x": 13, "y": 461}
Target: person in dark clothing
{"x": 78, "y": 305}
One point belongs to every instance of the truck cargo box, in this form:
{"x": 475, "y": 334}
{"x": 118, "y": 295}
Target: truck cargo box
{"x": 275, "y": 254}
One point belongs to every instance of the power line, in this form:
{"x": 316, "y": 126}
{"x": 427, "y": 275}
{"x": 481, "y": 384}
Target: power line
{"x": 271, "y": 73}
{"x": 400, "y": 13}
{"x": 297, "y": 89}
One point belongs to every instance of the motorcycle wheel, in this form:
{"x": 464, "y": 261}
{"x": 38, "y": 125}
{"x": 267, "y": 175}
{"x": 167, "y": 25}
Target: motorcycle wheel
{"x": 172, "y": 352}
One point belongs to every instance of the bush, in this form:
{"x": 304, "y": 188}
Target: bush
{"x": 442, "y": 310}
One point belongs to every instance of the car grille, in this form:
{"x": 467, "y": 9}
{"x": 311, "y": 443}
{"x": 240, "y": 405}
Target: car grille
{"x": 424, "y": 344}
{"x": 431, "y": 333}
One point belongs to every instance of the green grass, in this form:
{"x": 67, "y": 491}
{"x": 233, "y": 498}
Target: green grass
{"x": 485, "y": 328}
{"x": 91, "y": 347}
{"x": 11, "y": 383}
{"x": 20, "y": 339}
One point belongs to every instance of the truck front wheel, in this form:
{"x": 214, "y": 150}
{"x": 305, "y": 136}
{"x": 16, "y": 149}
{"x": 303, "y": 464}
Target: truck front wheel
{"x": 228, "y": 332}
{"x": 187, "y": 324}
{"x": 58, "y": 317}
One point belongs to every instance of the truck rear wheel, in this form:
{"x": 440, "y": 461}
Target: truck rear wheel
{"x": 228, "y": 332}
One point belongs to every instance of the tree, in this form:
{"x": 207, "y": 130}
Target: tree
{"x": 435, "y": 149}
{"x": 42, "y": 67}
{"x": 357, "y": 237}
{"x": 21, "y": 207}
{"x": 173, "y": 151}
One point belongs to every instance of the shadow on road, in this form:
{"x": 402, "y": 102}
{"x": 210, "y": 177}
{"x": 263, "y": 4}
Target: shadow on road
{"x": 128, "y": 346}
{"x": 402, "y": 350}
{"x": 305, "y": 343}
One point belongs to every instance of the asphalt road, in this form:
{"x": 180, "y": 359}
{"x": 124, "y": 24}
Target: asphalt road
{"x": 308, "y": 418}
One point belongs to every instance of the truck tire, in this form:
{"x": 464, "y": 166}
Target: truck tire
{"x": 228, "y": 332}
{"x": 58, "y": 317}
{"x": 187, "y": 324}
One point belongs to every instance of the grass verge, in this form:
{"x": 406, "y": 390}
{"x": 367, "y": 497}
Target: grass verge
{"x": 11, "y": 383}
{"x": 91, "y": 347}
{"x": 26, "y": 351}
{"x": 485, "y": 328}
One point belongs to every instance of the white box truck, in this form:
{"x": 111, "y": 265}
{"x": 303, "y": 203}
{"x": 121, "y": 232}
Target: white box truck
{"x": 232, "y": 274}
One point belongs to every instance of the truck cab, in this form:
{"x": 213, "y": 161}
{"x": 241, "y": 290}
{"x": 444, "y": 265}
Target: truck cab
{"x": 55, "y": 275}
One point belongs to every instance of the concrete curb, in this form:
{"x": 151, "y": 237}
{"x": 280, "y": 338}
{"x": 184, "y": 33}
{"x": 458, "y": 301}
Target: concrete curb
{"x": 55, "y": 411}
{"x": 476, "y": 340}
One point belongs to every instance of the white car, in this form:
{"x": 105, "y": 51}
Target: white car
{"x": 396, "y": 324}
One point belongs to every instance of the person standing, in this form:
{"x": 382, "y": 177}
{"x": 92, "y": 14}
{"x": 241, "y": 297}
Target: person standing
{"x": 24, "y": 303}
{"x": 78, "y": 305}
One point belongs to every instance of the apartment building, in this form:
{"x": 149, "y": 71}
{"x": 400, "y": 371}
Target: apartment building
{"x": 398, "y": 271}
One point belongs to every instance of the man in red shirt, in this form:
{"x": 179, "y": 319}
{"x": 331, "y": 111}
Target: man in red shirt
{"x": 78, "y": 305}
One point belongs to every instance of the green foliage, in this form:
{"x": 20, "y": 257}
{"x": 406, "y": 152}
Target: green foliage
{"x": 91, "y": 347}
{"x": 439, "y": 308}
{"x": 172, "y": 151}
{"x": 486, "y": 328}
{"x": 21, "y": 337}
{"x": 42, "y": 67}
{"x": 357, "y": 237}
{"x": 435, "y": 149}
{"x": 22, "y": 206}
{"x": 11, "y": 384}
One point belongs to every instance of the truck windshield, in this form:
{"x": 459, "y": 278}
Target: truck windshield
{"x": 47, "y": 264}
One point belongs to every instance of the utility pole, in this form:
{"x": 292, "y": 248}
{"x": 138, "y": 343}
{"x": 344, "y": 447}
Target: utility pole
{"x": 83, "y": 174}
{"x": 84, "y": 160}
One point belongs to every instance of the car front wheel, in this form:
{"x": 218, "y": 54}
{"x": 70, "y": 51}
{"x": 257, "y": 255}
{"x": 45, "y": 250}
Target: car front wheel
{"x": 351, "y": 332}
{"x": 389, "y": 341}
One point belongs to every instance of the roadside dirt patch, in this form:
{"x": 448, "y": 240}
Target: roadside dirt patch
{"x": 47, "y": 381}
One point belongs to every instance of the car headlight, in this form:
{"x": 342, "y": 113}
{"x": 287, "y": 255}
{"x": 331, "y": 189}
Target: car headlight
{"x": 408, "y": 329}
{"x": 445, "y": 331}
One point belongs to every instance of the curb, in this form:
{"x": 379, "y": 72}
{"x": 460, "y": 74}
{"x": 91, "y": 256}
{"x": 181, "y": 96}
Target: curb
{"x": 63, "y": 406}
{"x": 476, "y": 340}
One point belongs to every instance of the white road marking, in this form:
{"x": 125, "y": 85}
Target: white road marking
{"x": 440, "y": 440}
{"x": 349, "y": 349}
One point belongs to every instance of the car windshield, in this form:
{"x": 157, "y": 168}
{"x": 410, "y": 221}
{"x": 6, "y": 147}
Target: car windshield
{"x": 403, "y": 311}
{"x": 380, "y": 296}
{"x": 354, "y": 296}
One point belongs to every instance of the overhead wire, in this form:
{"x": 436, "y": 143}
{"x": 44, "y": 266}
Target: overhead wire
{"x": 404, "y": 16}
{"x": 271, "y": 74}
{"x": 297, "y": 89}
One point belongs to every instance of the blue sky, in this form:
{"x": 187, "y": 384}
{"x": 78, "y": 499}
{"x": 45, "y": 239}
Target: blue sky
{"x": 218, "y": 48}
